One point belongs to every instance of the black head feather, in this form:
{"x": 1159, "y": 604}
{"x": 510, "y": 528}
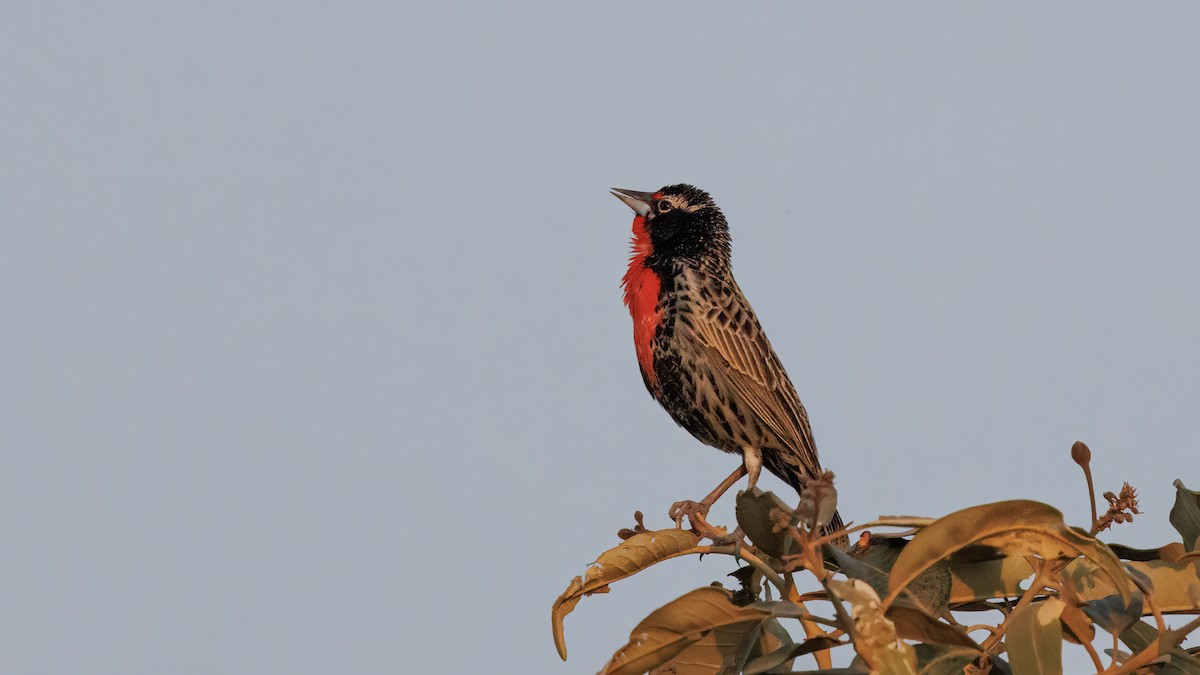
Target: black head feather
{"x": 686, "y": 227}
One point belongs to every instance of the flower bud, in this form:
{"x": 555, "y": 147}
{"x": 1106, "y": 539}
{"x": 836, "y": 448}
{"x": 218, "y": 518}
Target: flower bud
{"x": 1081, "y": 453}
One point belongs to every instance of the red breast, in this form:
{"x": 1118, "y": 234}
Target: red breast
{"x": 641, "y": 297}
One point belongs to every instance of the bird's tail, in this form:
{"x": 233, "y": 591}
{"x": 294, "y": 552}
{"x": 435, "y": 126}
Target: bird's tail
{"x": 835, "y": 524}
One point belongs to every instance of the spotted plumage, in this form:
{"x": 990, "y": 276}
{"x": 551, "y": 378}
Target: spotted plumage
{"x": 701, "y": 350}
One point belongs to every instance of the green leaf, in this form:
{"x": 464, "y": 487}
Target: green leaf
{"x": 900, "y": 661}
{"x": 973, "y": 579}
{"x": 1185, "y": 515}
{"x": 701, "y": 632}
{"x": 943, "y": 659}
{"x": 630, "y": 557}
{"x": 914, "y": 624}
{"x": 930, "y": 591}
{"x": 1034, "y": 638}
{"x": 1140, "y": 554}
{"x": 1140, "y": 635}
{"x": 753, "y": 511}
{"x": 1017, "y": 528}
{"x": 1114, "y": 614}
{"x": 976, "y": 579}
{"x": 871, "y": 567}
{"x": 1170, "y": 582}
{"x": 785, "y": 654}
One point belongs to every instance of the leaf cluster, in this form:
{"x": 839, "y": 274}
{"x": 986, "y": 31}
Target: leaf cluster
{"x": 994, "y": 588}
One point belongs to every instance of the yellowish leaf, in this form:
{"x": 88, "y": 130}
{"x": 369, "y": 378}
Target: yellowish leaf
{"x": 699, "y": 633}
{"x": 973, "y": 581}
{"x": 1034, "y": 638}
{"x": 1169, "y": 581}
{"x": 630, "y": 557}
{"x": 1018, "y": 527}
{"x": 1079, "y": 627}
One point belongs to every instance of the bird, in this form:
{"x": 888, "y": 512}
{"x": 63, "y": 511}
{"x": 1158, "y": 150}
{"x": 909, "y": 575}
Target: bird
{"x": 700, "y": 348}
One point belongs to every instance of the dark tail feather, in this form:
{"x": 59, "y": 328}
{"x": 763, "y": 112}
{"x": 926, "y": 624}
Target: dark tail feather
{"x": 835, "y": 524}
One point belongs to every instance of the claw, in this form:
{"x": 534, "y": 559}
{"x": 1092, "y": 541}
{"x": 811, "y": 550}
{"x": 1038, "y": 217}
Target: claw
{"x": 695, "y": 512}
{"x": 687, "y": 508}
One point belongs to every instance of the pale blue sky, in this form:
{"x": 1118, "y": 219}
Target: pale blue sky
{"x": 314, "y": 358}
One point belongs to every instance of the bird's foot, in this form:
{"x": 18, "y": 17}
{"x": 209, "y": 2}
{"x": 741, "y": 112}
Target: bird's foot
{"x": 695, "y": 512}
{"x": 687, "y": 508}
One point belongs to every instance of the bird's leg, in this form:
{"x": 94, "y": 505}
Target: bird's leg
{"x": 723, "y": 487}
{"x": 752, "y": 460}
{"x": 695, "y": 511}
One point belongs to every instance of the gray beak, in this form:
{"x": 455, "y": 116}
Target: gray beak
{"x": 638, "y": 201}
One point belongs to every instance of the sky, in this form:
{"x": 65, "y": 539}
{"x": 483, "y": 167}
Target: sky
{"x": 314, "y": 358}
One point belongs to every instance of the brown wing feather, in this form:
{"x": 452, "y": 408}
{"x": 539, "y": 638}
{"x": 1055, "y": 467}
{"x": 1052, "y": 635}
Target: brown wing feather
{"x": 729, "y": 330}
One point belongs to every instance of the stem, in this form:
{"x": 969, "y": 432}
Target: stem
{"x": 1087, "y": 473}
{"x": 1039, "y": 582}
{"x": 982, "y": 626}
{"x": 741, "y": 552}
{"x": 840, "y": 610}
{"x": 829, "y": 538}
{"x": 809, "y": 622}
{"x": 1091, "y": 650}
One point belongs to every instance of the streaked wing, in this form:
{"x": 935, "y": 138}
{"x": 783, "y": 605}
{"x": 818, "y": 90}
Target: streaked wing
{"x": 729, "y": 331}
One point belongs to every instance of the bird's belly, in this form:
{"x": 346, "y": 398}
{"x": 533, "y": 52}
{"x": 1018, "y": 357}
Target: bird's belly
{"x": 690, "y": 394}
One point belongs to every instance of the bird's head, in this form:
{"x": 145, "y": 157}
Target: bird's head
{"x": 682, "y": 223}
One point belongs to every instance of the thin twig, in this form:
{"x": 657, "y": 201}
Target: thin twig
{"x": 1091, "y": 650}
{"x": 740, "y": 552}
{"x": 831, "y": 537}
{"x": 1039, "y": 582}
{"x": 1165, "y": 642}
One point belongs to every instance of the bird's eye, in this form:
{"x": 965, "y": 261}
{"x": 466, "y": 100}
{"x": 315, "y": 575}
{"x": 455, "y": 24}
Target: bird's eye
{"x": 664, "y": 206}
